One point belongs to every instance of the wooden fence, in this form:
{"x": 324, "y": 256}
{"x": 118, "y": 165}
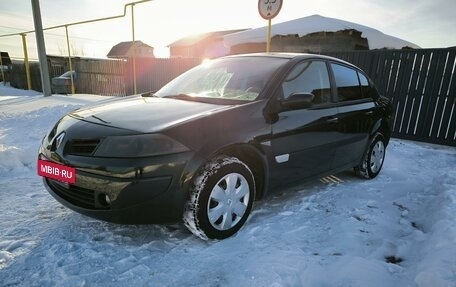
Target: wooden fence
{"x": 101, "y": 77}
{"x": 154, "y": 73}
{"x": 108, "y": 77}
{"x": 18, "y": 78}
{"x": 422, "y": 87}
{"x": 94, "y": 76}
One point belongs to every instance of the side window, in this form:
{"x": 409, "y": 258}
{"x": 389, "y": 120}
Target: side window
{"x": 348, "y": 87}
{"x": 309, "y": 77}
{"x": 368, "y": 90}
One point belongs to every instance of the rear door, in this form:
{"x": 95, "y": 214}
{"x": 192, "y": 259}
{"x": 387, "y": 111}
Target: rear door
{"x": 355, "y": 115}
{"x": 302, "y": 140}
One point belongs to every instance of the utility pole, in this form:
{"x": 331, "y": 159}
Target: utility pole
{"x": 45, "y": 81}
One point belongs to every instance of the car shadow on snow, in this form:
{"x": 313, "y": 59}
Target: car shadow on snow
{"x": 137, "y": 235}
{"x": 97, "y": 231}
{"x": 82, "y": 229}
{"x": 277, "y": 200}
{"x": 287, "y": 196}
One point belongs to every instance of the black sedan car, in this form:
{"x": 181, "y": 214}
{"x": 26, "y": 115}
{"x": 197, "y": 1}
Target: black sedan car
{"x": 215, "y": 139}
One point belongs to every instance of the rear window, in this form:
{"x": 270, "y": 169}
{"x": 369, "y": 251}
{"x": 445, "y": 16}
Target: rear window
{"x": 367, "y": 88}
{"x": 347, "y": 82}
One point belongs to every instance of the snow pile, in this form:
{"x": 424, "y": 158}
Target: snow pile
{"x": 395, "y": 230}
{"x": 441, "y": 229}
{"x": 317, "y": 23}
{"x": 7, "y": 92}
{"x": 28, "y": 128}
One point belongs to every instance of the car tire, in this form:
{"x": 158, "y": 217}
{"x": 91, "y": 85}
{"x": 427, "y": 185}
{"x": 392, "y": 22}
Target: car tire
{"x": 373, "y": 158}
{"x": 221, "y": 198}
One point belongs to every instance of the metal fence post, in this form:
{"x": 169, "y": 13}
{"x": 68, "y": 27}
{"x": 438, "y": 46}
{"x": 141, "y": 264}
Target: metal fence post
{"x": 26, "y": 61}
{"x": 46, "y": 83}
{"x": 134, "y": 46}
{"x": 1, "y": 68}
{"x": 69, "y": 60}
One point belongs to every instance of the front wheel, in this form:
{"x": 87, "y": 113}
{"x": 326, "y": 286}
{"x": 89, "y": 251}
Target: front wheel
{"x": 221, "y": 198}
{"x": 373, "y": 158}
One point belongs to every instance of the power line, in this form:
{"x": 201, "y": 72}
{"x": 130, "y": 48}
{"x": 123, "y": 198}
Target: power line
{"x": 76, "y": 37}
{"x": 9, "y": 27}
{"x": 86, "y": 21}
{"x": 62, "y": 36}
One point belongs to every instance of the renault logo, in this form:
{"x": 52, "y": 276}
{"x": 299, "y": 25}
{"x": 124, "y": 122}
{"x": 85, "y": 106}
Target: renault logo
{"x": 59, "y": 139}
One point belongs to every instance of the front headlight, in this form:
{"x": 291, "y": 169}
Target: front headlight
{"x": 138, "y": 146}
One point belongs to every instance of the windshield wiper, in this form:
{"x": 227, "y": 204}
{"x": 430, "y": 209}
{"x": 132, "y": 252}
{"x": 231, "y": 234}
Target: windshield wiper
{"x": 101, "y": 120}
{"x": 185, "y": 97}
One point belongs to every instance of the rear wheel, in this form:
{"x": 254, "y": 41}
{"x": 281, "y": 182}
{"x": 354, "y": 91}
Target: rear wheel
{"x": 373, "y": 158}
{"x": 221, "y": 198}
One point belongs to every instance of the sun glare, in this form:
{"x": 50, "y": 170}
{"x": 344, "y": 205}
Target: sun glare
{"x": 161, "y": 52}
{"x": 206, "y": 62}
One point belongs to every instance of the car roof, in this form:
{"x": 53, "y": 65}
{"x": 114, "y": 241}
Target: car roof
{"x": 297, "y": 56}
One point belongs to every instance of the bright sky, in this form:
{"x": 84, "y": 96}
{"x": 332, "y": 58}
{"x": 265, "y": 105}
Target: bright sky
{"x": 429, "y": 24}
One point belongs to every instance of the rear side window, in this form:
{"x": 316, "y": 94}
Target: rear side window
{"x": 309, "y": 77}
{"x": 347, "y": 82}
{"x": 368, "y": 90}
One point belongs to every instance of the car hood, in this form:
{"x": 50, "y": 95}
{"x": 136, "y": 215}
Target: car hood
{"x": 145, "y": 114}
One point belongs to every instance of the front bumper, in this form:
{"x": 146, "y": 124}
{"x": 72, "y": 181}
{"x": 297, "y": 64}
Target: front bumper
{"x": 139, "y": 190}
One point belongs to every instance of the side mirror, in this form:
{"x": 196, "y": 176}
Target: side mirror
{"x": 297, "y": 101}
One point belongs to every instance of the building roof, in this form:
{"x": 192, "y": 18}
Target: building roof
{"x": 122, "y": 49}
{"x": 316, "y": 23}
{"x": 193, "y": 39}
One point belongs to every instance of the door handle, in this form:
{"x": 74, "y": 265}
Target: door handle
{"x": 369, "y": 113}
{"x": 332, "y": 120}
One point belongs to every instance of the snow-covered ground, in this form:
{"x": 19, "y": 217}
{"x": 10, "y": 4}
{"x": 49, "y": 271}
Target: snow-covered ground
{"x": 396, "y": 230}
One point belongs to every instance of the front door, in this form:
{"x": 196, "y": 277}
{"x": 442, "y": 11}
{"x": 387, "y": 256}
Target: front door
{"x": 302, "y": 140}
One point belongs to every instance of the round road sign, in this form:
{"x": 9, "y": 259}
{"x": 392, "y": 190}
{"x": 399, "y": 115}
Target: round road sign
{"x": 269, "y": 8}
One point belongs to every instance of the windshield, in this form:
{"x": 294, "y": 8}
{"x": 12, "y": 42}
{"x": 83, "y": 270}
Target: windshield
{"x": 241, "y": 78}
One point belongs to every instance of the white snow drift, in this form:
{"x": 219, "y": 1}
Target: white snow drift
{"x": 317, "y": 23}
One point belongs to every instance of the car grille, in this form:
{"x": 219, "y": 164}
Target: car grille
{"x": 78, "y": 196}
{"x": 83, "y": 147}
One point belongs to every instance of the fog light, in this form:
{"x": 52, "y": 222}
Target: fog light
{"x": 107, "y": 199}
{"x": 104, "y": 200}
